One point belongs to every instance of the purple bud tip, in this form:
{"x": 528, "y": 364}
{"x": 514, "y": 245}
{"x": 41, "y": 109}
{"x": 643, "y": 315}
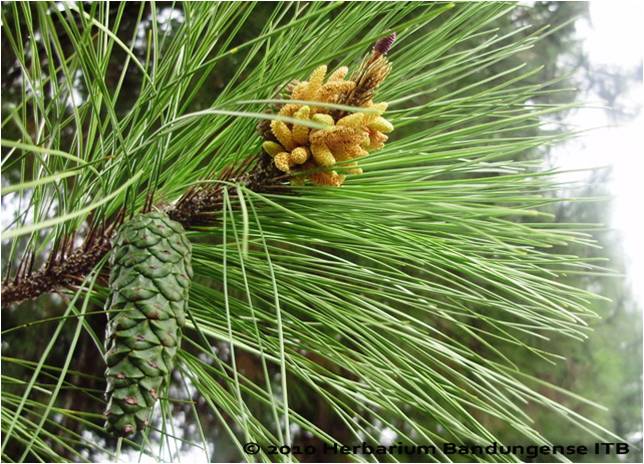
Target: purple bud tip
{"x": 384, "y": 45}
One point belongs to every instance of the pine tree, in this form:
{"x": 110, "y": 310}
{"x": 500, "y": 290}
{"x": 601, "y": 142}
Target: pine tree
{"x": 317, "y": 314}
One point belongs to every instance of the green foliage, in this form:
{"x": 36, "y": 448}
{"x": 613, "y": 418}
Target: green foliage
{"x": 398, "y": 302}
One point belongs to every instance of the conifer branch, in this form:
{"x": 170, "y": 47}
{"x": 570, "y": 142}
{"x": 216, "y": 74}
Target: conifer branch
{"x": 66, "y": 266}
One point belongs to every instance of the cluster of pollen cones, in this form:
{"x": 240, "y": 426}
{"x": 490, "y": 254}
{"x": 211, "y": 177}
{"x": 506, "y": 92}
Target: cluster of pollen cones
{"x": 324, "y": 153}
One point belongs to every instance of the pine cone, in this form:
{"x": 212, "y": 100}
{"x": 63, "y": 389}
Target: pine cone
{"x": 149, "y": 285}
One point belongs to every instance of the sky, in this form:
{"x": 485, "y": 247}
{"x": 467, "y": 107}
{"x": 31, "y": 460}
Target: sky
{"x": 614, "y": 37}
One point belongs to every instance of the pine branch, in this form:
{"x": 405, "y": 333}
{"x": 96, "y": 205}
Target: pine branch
{"x": 67, "y": 266}
{"x": 62, "y": 270}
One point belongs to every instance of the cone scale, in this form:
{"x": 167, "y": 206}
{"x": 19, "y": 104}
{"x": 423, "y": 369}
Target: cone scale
{"x": 149, "y": 284}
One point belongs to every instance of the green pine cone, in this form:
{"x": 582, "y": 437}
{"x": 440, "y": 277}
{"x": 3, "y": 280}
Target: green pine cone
{"x": 149, "y": 285}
